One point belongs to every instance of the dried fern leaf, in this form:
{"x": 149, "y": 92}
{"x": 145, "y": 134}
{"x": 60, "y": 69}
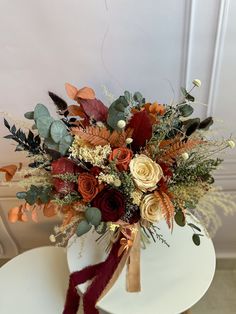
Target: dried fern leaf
{"x": 102, "y": 136}
{"x": 118, "y": 139}
{"x": 177, "y": 149}
{"x": 93, "y": 135}
{"x": 167, "y": 207}
{"x": 165, "y": 143}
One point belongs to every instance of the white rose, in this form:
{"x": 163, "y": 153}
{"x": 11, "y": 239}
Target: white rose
{"x": 145, "y": 172}
{"x": 150, "y": 208}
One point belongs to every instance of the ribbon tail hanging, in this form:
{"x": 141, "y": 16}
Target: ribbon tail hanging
{"x": 133, "y": 266}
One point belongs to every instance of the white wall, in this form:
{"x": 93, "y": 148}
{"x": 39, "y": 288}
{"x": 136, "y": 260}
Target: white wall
{"x": 151, "y": 46}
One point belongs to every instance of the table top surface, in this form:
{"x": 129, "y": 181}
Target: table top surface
{"x": 172, "y": 278}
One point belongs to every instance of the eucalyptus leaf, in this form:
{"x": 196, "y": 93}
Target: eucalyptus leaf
{"x": 40, "y": 111}
{"x": 51, "y": 144}
{"x": 21, "y": 195}
{"x": 184, "y": 92}
{"x": 116, "y": 112}
{"x": 127, "y": 96}
{"x": 29, "y": 115}
{"x": 186, "y": 110}
{"x": 44, "y": 196}
{"x": 180, "y": 219}
{"x": 194, "y": 226}
{"x": 83, "y": 227}
{"x": 63, "y": 148}
{"x": 58, "y": 131}
{"x": 206, "y": 123}
{"x": 31, "y": 197}
{"x": 35, "y": 188}
{"x": 190, "y": 97}
{"x": 43, "y": 125}
{"x": 196, "y": 239}
{"x": 138, "y": 97}
{"x": 93, "y": 215}
{"x": 191, "y": 126}
{"x": 65, "y": 143}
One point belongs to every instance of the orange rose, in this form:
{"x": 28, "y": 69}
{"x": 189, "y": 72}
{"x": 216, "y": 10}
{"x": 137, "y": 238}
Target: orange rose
{"x": 122, "y": 155}
{"x": 88, "y": 186}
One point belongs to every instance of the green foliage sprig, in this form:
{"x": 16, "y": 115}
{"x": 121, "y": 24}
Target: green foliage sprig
{"x": 30, "y": 142}
{"x": 190, "y": 172}
{"x": 55, "y": 133}
{"x": 36, "y": 194}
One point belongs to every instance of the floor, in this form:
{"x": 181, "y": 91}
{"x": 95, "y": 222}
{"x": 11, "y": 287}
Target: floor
{"x": 221, "y": 296}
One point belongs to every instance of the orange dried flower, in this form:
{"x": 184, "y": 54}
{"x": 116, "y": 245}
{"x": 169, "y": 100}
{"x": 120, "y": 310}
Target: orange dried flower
{"x": 156, "y": 108}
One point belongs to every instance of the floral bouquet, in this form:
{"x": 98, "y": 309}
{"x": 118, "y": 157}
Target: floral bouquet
{"x": 117, "y": 171}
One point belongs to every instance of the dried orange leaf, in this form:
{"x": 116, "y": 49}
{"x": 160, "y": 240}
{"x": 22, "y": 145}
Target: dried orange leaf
{"x": 75, "y": 110}
{"x": 27, "y": 207}
{"x": 67, "y": 218}
{"x": 86, "y": 93}
{"x": 50, "y": 210}
{"x": 71, "y": 90}
{"x": 34, "y": 215}
{"x": 13, "y": 214}
{"x": 23, "y": 217}
{"x": 9, "y": 170}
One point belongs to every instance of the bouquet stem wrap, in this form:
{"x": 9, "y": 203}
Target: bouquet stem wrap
{"x": 104, "y": 275}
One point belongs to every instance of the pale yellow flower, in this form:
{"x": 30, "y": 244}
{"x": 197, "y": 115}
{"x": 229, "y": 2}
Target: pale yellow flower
{"x": 121, "y": 124}
{"x": 136, "y": 196}
{"x": 185, "y": 156}
{"x": 145, "y": 172}
{"x": 129, "y": 140}
{"x": 113, "y": 227}
{"x": 150, "y": 209}
{"x": 231, "y": 144}
{"x": 109, "y": 179}
{"x": 52, "y": 238}
{"x": 197, "y": 82}
{"x": 97, "y": 155}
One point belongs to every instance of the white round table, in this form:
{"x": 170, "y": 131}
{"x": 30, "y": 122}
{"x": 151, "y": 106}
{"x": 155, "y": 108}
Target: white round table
{"x": 34, "y": 282}
{"x": 173, "y": 278}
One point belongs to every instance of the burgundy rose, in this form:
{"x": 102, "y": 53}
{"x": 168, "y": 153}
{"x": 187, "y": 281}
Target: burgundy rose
{"x": 95, "y": 170}
{"x": 63, "y": 166}
{"x": 111, "y": 204}
{"x": 135, "y": 217}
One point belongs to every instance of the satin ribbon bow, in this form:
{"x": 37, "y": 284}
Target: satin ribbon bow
{"x": 125, "y": 245}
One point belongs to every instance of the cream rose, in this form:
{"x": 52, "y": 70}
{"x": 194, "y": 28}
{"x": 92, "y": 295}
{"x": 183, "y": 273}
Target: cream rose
{"x": 150, "y": 208}
{"x": 145, "y": 172}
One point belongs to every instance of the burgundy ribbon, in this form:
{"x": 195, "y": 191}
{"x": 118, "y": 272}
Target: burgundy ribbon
{"x": 101, "y": 274}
